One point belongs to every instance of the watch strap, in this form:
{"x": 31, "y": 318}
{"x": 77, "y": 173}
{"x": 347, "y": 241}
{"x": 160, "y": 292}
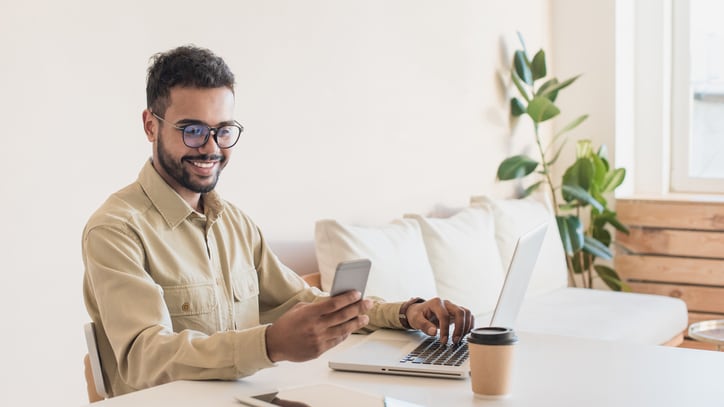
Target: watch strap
{"x": 403, "y": 311}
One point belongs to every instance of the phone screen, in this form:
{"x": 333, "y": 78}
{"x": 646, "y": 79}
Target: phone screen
{"x": 316, "y": 395}
{"x": 281, "y": 402}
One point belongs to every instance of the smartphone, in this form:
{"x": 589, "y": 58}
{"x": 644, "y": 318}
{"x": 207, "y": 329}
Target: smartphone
{"x": 351, "y": 275}
{"x": 315, "y": 395}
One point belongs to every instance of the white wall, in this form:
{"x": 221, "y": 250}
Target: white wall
{"x": 359, "y": 111}
{"x": 583, "y": 38}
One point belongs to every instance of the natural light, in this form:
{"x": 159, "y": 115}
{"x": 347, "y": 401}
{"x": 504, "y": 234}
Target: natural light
{"x": 707, "y": 87}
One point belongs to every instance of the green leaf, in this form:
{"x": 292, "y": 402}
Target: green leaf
{"x": 541, "y": 109}
{"x": 575, "y": 262}
{"x": 518, "y": 84}
{"x": 598, "y": 197}
{"x": 557, "y": 154}
{"x": 531, "y": 189}
{"x": 579, "y": 174}
{"x": 571, "y": 192}
{"x": 610, "y": 217}
{"x": 618, "y": 225}
{"x": 570, "y": 229}
{"x": 584, "y": 148}
{"x": 611, "y": 278}
{"x": 603, "y": 152}
{"x": 606, "y": 271}
{"x": 596, "y": 248}
{"x": 516, "y": 167}
{"x": 522, "y": 67}
{"x": 613, "y": 179}
{"x": 516, "y": 107}
{"x": 603, "y": 236}
{"x": 539, "y": 65}
{"x": 559, "y": 86}
{"x": 543, "y": 90}
{"x": 599, "y": 172}
{"x": 572, "y": 125}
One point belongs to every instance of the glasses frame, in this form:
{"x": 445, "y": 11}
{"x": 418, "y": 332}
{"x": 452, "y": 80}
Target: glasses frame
{"x": 215, "y": 131}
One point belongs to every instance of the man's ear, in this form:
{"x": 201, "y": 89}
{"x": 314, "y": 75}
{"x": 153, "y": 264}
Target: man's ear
{"x": 149, "y": 125}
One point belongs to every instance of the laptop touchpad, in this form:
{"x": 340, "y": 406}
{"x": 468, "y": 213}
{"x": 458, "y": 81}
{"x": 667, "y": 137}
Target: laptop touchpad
{"x": 387, "y": 350}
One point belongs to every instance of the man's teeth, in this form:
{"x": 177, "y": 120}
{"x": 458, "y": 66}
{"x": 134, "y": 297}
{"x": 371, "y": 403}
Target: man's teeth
{"x": 201, "y": 164}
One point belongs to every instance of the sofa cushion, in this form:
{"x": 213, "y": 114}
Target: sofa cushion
{"x": 513, "y": 218}
{"x": 400, "y": 268}
{"x": 609, "y": 315}
{"x": 464, "y": 257}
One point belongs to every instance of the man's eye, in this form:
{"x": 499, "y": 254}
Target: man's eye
{"x": 195, "y": 130}
{"x": 225, "y": 131}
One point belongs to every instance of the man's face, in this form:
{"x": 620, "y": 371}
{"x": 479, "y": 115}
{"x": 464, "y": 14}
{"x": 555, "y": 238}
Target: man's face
{"x": 190, "y": 171}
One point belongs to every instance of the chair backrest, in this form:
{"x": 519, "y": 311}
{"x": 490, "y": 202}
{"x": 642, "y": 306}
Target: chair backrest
{"x": 95, "y": 378}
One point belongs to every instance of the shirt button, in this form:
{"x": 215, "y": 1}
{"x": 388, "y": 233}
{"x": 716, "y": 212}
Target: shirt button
{"x": 186, "y": 307}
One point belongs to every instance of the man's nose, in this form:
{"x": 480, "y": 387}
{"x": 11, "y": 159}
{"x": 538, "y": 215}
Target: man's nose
{"x": 210, "y": 146}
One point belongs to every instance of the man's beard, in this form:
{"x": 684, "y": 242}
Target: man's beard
{"x": 177, "y": 171}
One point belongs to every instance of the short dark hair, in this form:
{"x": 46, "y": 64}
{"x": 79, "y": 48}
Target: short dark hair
{"x": 185, "y": 66}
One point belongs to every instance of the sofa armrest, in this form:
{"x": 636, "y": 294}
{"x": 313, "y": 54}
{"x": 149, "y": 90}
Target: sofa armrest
{"x": 313, "y": 279}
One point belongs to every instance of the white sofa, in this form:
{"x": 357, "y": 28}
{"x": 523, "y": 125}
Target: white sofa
{"x": 462, "y": 258}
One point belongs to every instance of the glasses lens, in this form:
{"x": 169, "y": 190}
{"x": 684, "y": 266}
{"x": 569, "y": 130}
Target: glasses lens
{"x": 195, "y": 135}
{"x": 227, "y": 136}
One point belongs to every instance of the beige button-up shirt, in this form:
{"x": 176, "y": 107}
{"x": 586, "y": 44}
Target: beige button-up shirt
{"x": 176, "y": 294}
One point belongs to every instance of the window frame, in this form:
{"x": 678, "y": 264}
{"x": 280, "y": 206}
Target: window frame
{"x": 682, "y": 109}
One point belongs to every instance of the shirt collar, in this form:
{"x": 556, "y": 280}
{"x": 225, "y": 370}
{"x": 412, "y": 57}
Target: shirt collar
{"x": 169, "y": 204}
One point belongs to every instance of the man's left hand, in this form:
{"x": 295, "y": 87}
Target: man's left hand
{"x": 436, "y": 313}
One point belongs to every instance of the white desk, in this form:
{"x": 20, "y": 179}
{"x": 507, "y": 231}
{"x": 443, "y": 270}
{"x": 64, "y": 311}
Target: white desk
{"x": 549, "y": 371}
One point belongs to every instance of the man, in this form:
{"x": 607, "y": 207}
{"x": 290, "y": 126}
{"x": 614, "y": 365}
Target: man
{"x": 181, "y": 284}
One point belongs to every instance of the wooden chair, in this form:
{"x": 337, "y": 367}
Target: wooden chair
{"x": 313, "y": 279}
{"x": 95, "y": 385}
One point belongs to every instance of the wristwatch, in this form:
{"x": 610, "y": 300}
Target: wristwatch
{"x": 403, "y": 311}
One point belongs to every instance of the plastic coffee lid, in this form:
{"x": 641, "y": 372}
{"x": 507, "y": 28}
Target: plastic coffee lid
{"x": 492, "y": 336}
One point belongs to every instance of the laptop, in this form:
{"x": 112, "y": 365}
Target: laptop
{"x": 413, "y": 353}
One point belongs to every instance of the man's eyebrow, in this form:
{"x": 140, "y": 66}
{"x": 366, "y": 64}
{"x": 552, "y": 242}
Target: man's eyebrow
{"x": 196, "y": 121}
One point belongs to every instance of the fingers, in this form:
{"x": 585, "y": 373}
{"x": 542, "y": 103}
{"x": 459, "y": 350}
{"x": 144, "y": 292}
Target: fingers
{"x": 428, "y": 315}
{"x": 443, "y": 316}
{"x": 313, "y": 331}
{"x": 462, "y": 320}
{"x": 347, "y": 313}
{"x": 337, "y": 302}
{"x": 437, "y": 314}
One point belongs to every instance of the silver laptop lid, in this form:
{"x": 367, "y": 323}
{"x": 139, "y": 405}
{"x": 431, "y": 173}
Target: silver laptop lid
{"x": 516, "y": 282}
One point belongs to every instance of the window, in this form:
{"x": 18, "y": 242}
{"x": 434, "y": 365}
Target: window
{"x": 697, "y": 108}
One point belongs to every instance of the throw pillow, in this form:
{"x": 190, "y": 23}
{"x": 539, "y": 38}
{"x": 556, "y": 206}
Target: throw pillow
{"x": 400, "y": 268}
{"x": 464, "y": 257}
{"x": 513, "y": 217}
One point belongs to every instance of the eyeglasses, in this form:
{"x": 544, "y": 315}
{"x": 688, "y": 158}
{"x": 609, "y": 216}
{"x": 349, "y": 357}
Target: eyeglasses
{"x": 196, "y": 135}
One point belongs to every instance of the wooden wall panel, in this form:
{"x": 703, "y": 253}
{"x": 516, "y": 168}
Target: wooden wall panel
{"x": 673, "y": 242}
{"x": 671, "y": 214}
{"x": 675, "y": 248}
{"x": 697, "y": 298}
{"x": 670, "y": 269}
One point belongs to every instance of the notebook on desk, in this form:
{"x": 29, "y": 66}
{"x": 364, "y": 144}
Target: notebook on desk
{"x": 416, "y": 354}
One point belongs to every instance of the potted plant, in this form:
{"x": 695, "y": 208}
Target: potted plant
{"x": 582, "y": 212}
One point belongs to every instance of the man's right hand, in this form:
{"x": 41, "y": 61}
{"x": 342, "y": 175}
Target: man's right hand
{"x": 308, "y": 330}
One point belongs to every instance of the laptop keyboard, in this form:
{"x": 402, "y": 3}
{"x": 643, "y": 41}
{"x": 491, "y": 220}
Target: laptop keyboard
{"x": 432, "y": 352}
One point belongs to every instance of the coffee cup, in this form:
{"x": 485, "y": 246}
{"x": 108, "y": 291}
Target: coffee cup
{"x": 491, "y": 360}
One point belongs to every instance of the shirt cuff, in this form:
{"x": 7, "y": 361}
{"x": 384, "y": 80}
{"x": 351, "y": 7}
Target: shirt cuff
{"x": 250, "y": 353}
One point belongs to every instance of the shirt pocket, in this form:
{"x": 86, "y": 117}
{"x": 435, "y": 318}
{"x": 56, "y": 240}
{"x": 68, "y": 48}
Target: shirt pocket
{"x": 246, "y": 299}
{"x": 193, "y": 306}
